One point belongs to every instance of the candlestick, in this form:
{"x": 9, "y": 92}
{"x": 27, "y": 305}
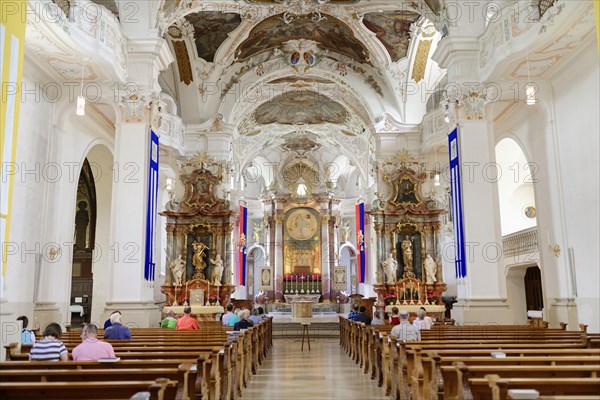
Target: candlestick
{"x": 208, "y": 295}
{"x": 185, "y": 295}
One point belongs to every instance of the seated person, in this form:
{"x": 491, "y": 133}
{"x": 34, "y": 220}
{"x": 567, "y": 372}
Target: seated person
{"x": 255, "y": 317}
{"x": 228, "y": 314}
{"x": 354, "y": 312}
{"x": 244, "y": 322}
{"x": 377, "y": 320}
{"x": 107, "y": 323}
{"x": 170, "y": 321}
{"x": 27, "y": 336}
{"x": 117, "y": 331}
{"x": 92, "y": 349}
{"x": 421, "y": 321}
{"x": 427, "y": 318}
{"x": 234, "y": 318}
{"x": 394, "y": 318}
{"x": 362, "y": 316}
{"x": 405, "y": 330}
{"x": 50, "y": 348}
{"x": 187, "y": 322}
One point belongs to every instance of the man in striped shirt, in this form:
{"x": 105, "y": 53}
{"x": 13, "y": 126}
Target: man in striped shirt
{"x": 50, "y": 348}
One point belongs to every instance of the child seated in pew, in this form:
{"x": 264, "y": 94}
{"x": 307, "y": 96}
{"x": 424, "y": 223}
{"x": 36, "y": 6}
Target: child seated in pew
{"x": 50, "y": 348}
{"x": 92, "y": 349}
{"x": 394, "y": 318}
{"x": 27, "y": 336}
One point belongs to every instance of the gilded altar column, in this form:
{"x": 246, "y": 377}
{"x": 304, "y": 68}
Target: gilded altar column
{"x": 278, "y": 257}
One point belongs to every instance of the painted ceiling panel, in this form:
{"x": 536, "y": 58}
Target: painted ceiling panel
{"x": 331, "y": 34}
{"x": 393, "y": 30}
{"x": 300, "y": 107}
{"x": 210, "y": 31}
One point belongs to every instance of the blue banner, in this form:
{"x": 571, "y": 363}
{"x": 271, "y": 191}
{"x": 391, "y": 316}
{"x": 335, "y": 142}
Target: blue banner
{"x": 243, "y": 233}
{"x": 360, "y": 242}
{"x": 149, "y": 264}
{"x": 460, "y": 264}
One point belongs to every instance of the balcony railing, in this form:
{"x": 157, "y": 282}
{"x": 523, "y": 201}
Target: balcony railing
{"x": 521, "y": 242}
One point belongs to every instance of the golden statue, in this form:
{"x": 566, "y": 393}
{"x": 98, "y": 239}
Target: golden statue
{"x": 198, "y": 259}
{"x": 407, "y": 257}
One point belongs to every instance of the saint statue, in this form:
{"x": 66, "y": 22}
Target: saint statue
{"x": 198, "y": 259}
{"x": 177, "y": 267}
{"x": 217, "y": 270}
{"x": 390, "y": 266}
{"x": 407, "y": 257}
{"x": 257, "y": 233}
{"x": 82, "y": 219}
{"x": 430, "y": 270}
{"x": 345, "y": 231}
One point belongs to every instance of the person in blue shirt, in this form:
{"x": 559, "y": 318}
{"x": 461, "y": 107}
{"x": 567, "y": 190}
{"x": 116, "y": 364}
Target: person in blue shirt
{"x": 117, "y": 331}
{"x": 107, "y": 323}
{"x": 234, "y": 318}
{"x": 353, "y": 313}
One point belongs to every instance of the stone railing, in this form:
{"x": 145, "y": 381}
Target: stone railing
{"x": 513, "y": 21}
{"x": 93, "y": 30}
{"x": 434, "y": 129}
{"x": 521, "y": 242}
{"x": 171, "y": 131}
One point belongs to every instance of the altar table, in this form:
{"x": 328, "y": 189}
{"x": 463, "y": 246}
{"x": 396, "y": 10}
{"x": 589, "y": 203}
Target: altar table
{"x": 202, "y": 313}
{"x": 435, "y": 310}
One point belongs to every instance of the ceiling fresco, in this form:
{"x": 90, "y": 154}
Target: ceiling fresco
{"x": 294, "y": 79}
{"x": 393, "y": 30}
{"x": 284, "y": 1}
{"x": 210, "y": 30}
{"x": 300, "y": 107}
{"x": 331, "y": 34}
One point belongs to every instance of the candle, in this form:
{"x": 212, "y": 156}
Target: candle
{"x": 548, "y": 235}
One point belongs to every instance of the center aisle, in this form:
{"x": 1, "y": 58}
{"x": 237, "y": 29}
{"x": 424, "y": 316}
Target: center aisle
{"x": 325, "y": 372}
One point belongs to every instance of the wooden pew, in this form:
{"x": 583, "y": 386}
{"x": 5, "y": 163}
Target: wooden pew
{"x": 184, "y": 374}
{"x": 496, "y": 388}
{"x": 153, "y": 344}
{"x": 161, "y": 389}
{"x": 459, "y": 374}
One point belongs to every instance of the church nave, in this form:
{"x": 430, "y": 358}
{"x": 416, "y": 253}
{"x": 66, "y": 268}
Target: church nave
{"x": 324, "y": 372}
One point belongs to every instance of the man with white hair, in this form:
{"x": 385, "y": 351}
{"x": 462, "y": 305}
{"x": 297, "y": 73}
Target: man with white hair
{"x": 244, "y": 322}
{"x": 405, "y": 330}
{"x": 117, "y": 331}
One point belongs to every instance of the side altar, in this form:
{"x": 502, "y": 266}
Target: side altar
{"x": 407, "y": 226}
{"x": 199, "y": 228}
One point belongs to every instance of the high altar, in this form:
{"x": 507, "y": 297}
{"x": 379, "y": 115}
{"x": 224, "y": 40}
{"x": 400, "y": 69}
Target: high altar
{"x": 300, "y": 238}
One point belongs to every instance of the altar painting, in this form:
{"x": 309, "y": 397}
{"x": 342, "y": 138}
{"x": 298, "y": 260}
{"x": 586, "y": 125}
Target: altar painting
{"x": 302, "y": 238}
{"x": 415, "y": 259}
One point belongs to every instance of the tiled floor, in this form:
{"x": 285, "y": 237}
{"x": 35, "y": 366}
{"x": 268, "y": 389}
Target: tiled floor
{"x": 325, "y": 372}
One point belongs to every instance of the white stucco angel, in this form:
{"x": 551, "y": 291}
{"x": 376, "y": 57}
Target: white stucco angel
{"x": 430, "y": 270}
{"x": 390, "y": 267}
{"x": 177, "y": 268}
{"x": 217, "y": 270}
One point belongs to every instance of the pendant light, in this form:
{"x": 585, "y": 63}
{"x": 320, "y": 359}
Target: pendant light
{"x": 80, "y": 98}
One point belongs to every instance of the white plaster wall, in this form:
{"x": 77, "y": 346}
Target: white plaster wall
{"x": 576, "y": 96}
{"x": 26, "y": 233}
